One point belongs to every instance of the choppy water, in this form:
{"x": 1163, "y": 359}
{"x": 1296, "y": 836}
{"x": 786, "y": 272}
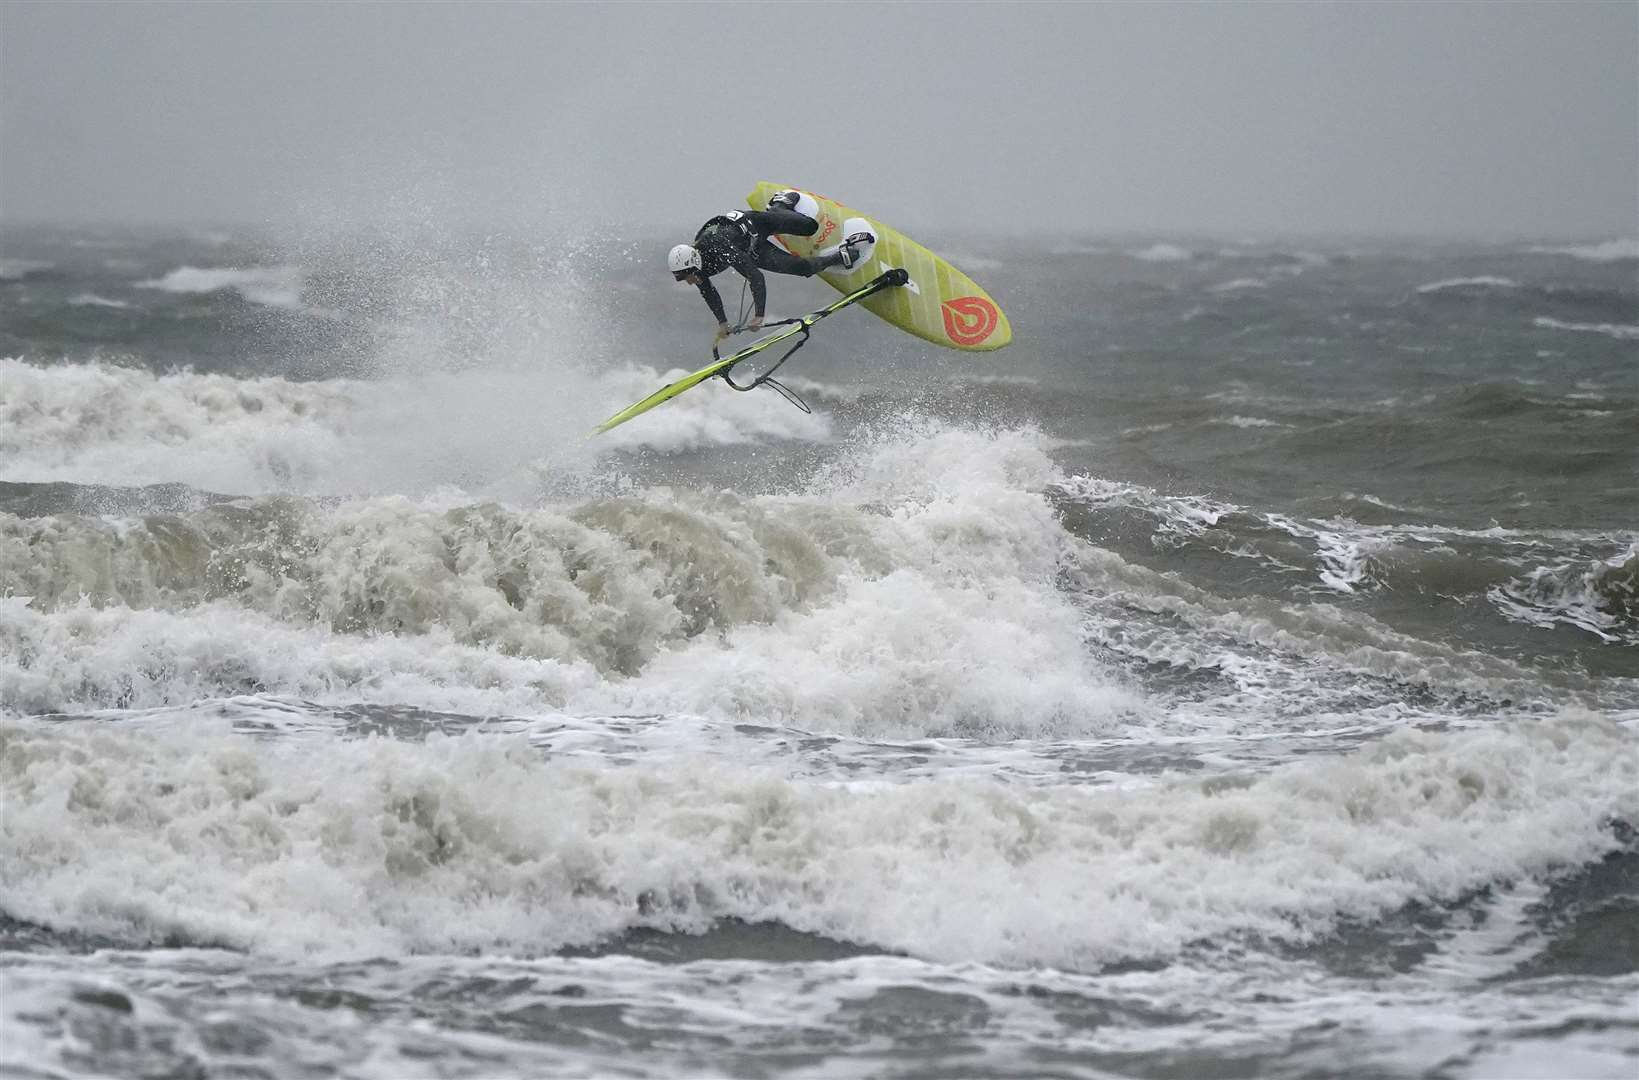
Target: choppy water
{"x": 1239, "y": 675}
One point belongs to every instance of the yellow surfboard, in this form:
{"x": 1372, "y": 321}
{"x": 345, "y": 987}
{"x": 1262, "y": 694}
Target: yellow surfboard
{"x": 940, "y": 304}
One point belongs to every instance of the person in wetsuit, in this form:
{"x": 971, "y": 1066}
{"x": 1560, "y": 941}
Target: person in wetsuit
{"x": 740, "y": 239}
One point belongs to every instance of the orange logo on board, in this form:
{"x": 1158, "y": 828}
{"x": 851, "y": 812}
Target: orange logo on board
{"x": 970, "y": 319}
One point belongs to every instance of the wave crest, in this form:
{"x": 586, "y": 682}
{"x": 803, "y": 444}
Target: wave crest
{"x": 383, "y": 847}
{"x": 274, "y": 286}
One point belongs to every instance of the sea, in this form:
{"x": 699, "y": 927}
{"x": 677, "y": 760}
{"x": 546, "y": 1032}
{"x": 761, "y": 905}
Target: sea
{"x": 1236, "y": 676}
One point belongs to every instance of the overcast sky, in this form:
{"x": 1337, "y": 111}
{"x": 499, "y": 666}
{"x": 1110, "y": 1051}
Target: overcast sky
{"x": 1495, "y": 119}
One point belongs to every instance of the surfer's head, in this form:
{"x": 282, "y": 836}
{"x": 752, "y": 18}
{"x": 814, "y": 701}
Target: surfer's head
{"x": 683, "y": 261}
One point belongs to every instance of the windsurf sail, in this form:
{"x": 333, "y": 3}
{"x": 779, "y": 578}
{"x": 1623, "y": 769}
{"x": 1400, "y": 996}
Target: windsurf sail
{"x": 789, "y": 329}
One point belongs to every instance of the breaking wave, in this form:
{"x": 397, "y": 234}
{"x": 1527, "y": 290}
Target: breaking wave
{"x": 1162, "y": 253}
{"x": 1607, "y": 251}
{"x": 274, "y": 286}
{"x": 1468, "y": 283}
{"x": 382, "y": 847}
{"x": 483, "y": 431}
{"x": 1602, "y": 598}
{"x": 1618, "y": 331}
{"x": 823, "y": 609}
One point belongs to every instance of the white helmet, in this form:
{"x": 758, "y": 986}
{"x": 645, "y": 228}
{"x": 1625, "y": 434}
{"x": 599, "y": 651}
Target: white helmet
{"x": 683, "y": 259}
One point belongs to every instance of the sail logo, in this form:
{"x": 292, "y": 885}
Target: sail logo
{"x": 969, "y": 319}
{"x": 825, "y": 233}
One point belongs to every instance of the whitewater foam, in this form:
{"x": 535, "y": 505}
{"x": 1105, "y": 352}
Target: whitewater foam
{"x": 912, "y": 591}
{"x": 18, "y": 269}
{"x": 1238, "y": 285}
{"x": 1162, "y": 253}
{"x": 1287, "y": 663}
{"x": 1249, "y": 422}
{"x": 445, "y": 685}
{"x": 93, "y": 300}
{"x": 501, "y": 431}
{"x": 1469, "y": 284}
{"x": 383, "y": 847}
{"x": 274, "y": 286}
{"x": 855, "y": 1016}
{"x": 82, "y": 659}
{"x": 1606, "y": 251}
{"x": 1619, "y": 331}
{"x": 119, "y": 425}
{"x": 1601, "y": 599}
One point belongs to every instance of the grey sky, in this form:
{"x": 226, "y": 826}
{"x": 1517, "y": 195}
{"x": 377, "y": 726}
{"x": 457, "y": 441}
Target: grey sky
{"x": 1476, "y": 118}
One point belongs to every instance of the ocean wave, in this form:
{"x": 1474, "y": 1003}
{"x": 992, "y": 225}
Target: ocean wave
{"x": 1601, "y": 599}
{"x": 481, "y": 431}
{"x": 1575, "y": 303}
{"x": 19, "y": 269}
{"x": 536, "y": 584}
{"x": 1495, "y": 400}
{"x": 82, "y": 658}
{"x": 1619, "y": 331}
{"x": 274, "y": 286}
{"x": 970, "y": 379}
{"x": 1249, "y": 422}
{"x": 93, "y": 300}
{"x": 1607, "y": 251}
{"x": 1342, "y": 556}
{"x": 1238, "y": 285}
{"x": 816, "y": 610}
{"x": 1350, "y": 557}
{"x": 121, "y": 425}
{"x": 380, "y": 847}
{"x": 1162, "y": 253}
{"x": 1281, "y": 261}
{"x": 1469, "y": 284}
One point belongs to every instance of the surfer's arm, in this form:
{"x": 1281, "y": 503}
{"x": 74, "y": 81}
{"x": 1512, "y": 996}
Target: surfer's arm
{"x": 759, "y": 287}
{"x": 708, "y": 292}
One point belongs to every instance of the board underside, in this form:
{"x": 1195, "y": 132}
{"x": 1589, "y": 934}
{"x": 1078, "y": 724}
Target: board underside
{"x": 941, "y": 305}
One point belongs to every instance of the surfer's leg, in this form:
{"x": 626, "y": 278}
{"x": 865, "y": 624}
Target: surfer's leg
{"x": 787, "y": 222}
{"x": 779, "y": 261}
{"x": 800, "y": 201}
{"x": 858, "y": 244}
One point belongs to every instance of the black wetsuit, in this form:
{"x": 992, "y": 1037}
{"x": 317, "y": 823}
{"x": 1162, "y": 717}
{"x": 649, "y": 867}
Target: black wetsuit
{"x": 739, "y": 239}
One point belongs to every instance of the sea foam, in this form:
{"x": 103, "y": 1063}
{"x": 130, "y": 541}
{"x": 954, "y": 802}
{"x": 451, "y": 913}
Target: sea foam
{"x": 381, "y": 847}
{"x": 1608, "y": 251}
{"x": 1618, "y": 331}
{"x": 274, "y": 286}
